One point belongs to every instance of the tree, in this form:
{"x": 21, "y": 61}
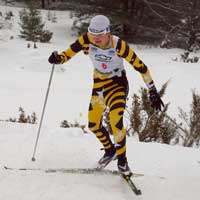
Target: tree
{"x": 181, "y": 19}
{"x": 176, "y": 22}
{"x": 191, "y": 134}
{"x": 125, "y": 24}
{"x": 32, "y": 25}
{"x": 190, "y": 23}
{"x": 151, "y": 125}
{"x": 43, "y": 3}
{"x": 133, "y": 20}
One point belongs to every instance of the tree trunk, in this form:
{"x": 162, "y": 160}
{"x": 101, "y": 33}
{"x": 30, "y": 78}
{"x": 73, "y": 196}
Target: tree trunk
{"x": 43, "y": 4}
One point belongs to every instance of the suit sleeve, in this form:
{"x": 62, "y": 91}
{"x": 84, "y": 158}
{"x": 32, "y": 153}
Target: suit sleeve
{"x": 130, "y": 56}
{"x": 75, "y": 47}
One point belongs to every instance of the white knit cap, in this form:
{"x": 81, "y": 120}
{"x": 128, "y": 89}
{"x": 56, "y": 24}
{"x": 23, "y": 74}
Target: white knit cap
{"x": 99, "y": 24}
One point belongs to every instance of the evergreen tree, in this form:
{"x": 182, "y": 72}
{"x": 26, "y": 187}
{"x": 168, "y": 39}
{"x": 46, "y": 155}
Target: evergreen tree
{"x": 32, "y": 25}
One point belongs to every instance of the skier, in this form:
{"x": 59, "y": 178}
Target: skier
{"x": 110, "y": 88}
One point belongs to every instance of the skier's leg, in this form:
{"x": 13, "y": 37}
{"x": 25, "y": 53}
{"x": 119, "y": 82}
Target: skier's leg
{"x": 95, "y": 114}
{"x": 115, "y": 98}
{"x": 117, "y": 107}
{"x": 95, "y": 125}
{"x": 119, "y": 132}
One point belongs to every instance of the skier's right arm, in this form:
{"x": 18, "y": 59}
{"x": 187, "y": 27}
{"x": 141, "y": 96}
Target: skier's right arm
{"x": 78, "y": 45}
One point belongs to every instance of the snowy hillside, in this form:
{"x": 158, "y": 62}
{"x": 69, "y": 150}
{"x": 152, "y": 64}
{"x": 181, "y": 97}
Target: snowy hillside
{"x": 169, "y": 172}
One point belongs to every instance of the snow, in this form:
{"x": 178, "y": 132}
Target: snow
{"x": 170, "y": 172}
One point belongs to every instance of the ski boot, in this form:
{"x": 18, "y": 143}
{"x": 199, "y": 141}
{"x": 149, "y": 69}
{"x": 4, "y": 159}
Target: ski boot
{"x": 123, "y": 167}
{"x": 109, "y": 155}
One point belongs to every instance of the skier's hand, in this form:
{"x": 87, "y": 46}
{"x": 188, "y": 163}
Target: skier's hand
{"x": 55, "y": 58}
{"x": 156, "y": 101}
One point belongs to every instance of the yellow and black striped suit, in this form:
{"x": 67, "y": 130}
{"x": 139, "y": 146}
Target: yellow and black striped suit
{"x": 109, "y": 92}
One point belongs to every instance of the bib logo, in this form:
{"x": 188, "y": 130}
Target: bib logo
{"x": 103, "y": 58}
{"x": 111, "y": 52}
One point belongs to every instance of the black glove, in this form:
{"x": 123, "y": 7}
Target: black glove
{"x": 155, "y": 100}
{"x": 55, "y": 58}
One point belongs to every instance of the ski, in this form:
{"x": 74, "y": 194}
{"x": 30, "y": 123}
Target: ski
{"x": 94, "y": 171}
{"x": 67, "y": 170}
{"x": 72, "y": 171}
{"x": 131, "y": 184}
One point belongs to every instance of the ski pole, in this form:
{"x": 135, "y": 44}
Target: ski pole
{"x": 43, "y": 110}
{"x": 174, "y": 122}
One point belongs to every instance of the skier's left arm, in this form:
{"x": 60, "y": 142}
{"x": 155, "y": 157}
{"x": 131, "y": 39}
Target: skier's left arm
{"x": 130, "y": 56}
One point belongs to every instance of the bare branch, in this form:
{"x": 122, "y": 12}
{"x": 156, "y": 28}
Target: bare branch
{"x": 156, "y": 13}
{"x": 165, "y": 7}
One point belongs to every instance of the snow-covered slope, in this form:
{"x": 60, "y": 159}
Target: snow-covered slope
{"x": 170, "y": 172}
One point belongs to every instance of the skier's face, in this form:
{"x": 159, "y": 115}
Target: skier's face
{"x": 100, "y": 39}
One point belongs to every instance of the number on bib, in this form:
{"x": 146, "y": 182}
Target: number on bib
{"x": 104, "y": 66}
